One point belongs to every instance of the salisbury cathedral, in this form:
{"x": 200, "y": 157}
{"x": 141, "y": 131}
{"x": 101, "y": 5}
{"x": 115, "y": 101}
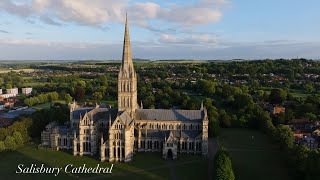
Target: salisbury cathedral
{"x": 115, "y": 134}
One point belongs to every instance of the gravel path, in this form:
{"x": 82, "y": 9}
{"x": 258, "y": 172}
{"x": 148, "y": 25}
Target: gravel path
{"x": 213, "y": 148}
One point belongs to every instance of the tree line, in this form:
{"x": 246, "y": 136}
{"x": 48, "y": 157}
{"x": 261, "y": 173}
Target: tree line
{"x": 42, "y": 98}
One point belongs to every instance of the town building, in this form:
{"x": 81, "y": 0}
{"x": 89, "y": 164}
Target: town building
{"x": 12, "y": 91}
{"x": 277, "y": 109}
{"x": 115, "y": 134}
{"x": 26, "y": 91}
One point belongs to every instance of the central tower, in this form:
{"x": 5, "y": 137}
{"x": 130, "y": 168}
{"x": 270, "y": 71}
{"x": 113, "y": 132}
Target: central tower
{"x": 127, "y": 78}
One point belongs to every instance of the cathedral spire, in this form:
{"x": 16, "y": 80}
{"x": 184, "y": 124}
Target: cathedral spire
{"x": 127, "y": 78}
{"x": 126, "y": 55}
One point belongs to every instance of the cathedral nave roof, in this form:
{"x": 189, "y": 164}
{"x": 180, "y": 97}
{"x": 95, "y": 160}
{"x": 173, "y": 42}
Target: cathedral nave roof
{"x": 169, "y": 114}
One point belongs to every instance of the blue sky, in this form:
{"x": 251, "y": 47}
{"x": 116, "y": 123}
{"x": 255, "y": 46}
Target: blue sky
{"x": 166, "y": 29}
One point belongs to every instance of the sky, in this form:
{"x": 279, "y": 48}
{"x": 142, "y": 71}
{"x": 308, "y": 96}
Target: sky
{"x": 159, "y": 29}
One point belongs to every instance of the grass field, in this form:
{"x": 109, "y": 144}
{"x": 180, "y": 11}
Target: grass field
{"x": 16, "y": 70}
{"x": 46, "y": 105}
{"x": 253, "y": 156}
{"x": 39, "y": 84}
{"x": 293, "y": 92}
{"x": 144, "y": 165}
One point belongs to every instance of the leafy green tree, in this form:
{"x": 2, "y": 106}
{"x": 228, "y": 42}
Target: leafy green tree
{"x": 79, "y": 93}
{"x": 206, "y": 87}
{"x": 260, "y": 94}
{"x": 225, "y": 120}
{"x": 309, "y": 87}
{"x": 243, "y": 100}
{"x": 165, "y": 103}
{"x": 223, "y": 166}
{"x": 207, "y": 102}
{"x": 81, "y": 83}
{"x": 279, "y": 119}
{"x": 28, "y": 102}
{"x": 277, "y": 96}
{"x": 10, "y": 143}
{"x": 97, "y": 96}
{"x": 311, "y": 116}
{"x": 68, "y": 98}
{"x": 18, "y": 138}
{"x": 8, "y": 86}
{"x": 285, "y": 135}
{"x": 214, "y": 127}
{"x": 289, "y": 114}
{"x": 2, "y": 146}
{"x": 102, "y": 89}
{"x": 103, "y": 80}
{"x": 53, "y": 96}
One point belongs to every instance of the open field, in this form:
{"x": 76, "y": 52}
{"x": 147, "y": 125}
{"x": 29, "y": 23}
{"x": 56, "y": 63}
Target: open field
{"x": 39, "y": 84}
{"x": 293, "y": 92}
{"x": 144, "y": 165}
{"x": 253, "y": 156}
{"x": 46, "y": 105}
{"x": 16, "y": 70}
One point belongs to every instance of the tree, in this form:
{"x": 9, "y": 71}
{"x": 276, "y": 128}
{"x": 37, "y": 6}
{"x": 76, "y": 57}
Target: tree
{"x": 285, "y": 135}
{"x": 18, "y": 138}
{"x": 79, "y": 93}
{"x": 279, "y": 119}
{"x": 242, "y": 101}
{"x": 102, "y": 89}
{"x": 10, "y": 143}
{"x": 2, "y": 146}
{"x": 103, "y": 80}
{"x": 81, "y": 83}
{"x": 68, "y": 98}
{"x": 97, "y": 96}
{"x": 53, "y": 96}
{"x": 165, "y": 103}
{"x": 207, "y": 102}
{"x": 277, "y": 96}
{"x": 311, "y": 116}
{"x": 206, "y": 87}
{"x": 225, "y": 120}
{"x": 260, "y": 94}
{"x": 309, "y": 87}
{"x": 214, "y": 128}
{"x": 8, "y": 86}
{"x": 223, "y": 166}
{"x": 28, "y": 102}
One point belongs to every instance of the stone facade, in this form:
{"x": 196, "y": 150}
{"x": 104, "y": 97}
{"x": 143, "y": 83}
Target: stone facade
{"x": 115, "y": 134}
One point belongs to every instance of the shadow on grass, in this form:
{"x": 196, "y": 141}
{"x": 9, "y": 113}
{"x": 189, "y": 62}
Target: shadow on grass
{"x": 9, "y": 162}
{"x": 144, "y": 165}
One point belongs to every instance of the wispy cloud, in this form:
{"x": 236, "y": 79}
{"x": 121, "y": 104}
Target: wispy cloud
{"x": 97, "y": 12}
{"x": 175, "y": 48}
{"x": 3, "y": 31}
{"x": 49, "y": 21}
{"x": 203, "y": 39}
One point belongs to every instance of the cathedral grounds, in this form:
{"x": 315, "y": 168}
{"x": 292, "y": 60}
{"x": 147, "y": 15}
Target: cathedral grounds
{"x": 97, "y": 82}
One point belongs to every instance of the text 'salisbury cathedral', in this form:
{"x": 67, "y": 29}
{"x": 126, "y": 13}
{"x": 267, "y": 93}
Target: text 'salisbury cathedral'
{"x": 116, "y": 134}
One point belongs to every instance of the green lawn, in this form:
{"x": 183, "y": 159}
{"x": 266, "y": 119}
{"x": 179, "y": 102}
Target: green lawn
{"x": 144, "y": 165}
{"x": 46, "y": 105}
{"x": 253, "y": 155}
{"x": 38, "y": 84}
{"x": 293, "y": 92}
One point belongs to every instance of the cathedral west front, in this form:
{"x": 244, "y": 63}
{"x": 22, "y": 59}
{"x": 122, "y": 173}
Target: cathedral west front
{"x": 116, "y": 134}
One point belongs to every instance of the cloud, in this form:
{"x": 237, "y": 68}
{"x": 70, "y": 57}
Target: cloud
{"x": 205, "y": 39}
{"x": 50, "y": 21}
{"x": 3, "y": 31}
{"x": 22, "y": 10}
{"x": 202, "y": 12}
{"x": 97, "y": 12}
{"x": 176, "y": 48}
